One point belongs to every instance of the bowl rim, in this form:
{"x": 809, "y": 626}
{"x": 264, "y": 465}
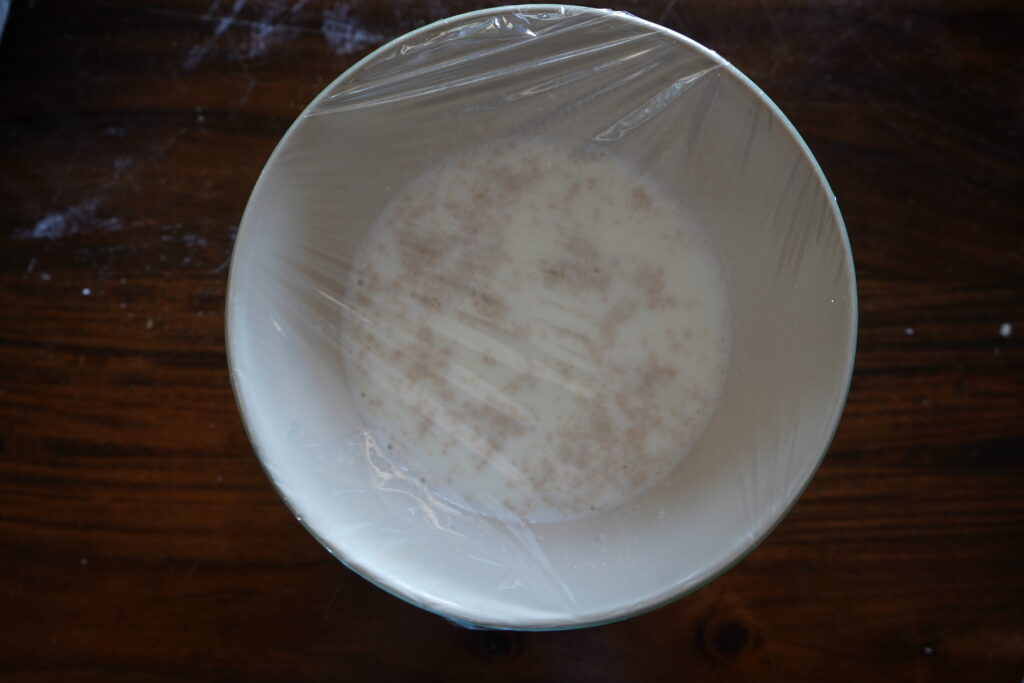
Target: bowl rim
{"x": 468, "y": 617}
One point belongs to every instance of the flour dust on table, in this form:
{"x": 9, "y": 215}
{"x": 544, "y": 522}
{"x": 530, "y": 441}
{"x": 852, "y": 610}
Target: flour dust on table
{"x": 536, "y": 331}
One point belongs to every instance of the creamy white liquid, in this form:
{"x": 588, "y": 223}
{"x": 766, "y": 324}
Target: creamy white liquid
{"x": 536, "y": 331}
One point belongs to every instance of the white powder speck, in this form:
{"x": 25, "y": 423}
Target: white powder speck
{"x": 1005, "y": 330}
{"x": 271, "y": 27}
{"x": 122, "y": 164}
{"x": 150, "y": 324}
{"x": 58, "y": 224}
{"x": 265, "y": 32}
{"x": 928, "y": 650}
{"x": 45, "y": 277}
{"x": 197, "y": 53}
{"x": 86, "y": 291}
{"x": 84, "y": 561}
{"x": 345, "y": 34}
{"x": 260, "y": 37}
{"x": 909, "y": 331}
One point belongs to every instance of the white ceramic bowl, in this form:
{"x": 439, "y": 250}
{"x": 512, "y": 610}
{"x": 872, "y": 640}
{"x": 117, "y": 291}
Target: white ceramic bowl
{"x": 687, "y": 117}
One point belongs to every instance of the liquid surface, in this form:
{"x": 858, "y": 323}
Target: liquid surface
{"x": 536, "y": 331}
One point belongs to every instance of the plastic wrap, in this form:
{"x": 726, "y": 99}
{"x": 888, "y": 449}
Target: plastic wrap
{"x": 472, "y": 293}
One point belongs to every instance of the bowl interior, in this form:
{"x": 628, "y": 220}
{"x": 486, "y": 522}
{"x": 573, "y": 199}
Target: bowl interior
{"x": 589, "y": 76}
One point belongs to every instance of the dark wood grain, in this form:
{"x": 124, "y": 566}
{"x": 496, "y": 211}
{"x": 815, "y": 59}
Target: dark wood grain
{"x": 139, "y": 538}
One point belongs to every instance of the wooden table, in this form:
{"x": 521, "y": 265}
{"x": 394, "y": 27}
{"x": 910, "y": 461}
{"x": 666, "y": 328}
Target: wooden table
{"x": 141, "y": 541}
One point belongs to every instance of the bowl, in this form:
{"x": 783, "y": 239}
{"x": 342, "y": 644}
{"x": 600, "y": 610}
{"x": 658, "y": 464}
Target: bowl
{"x": 604, "y": 79}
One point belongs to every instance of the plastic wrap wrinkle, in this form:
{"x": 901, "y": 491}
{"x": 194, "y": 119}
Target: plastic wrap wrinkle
{"x": 572, "y": 77}
{"x": 653, "y": 106}
{"x": 446, "y": 518}
{"x": 382, "y": 77}
{"x": 366, "y": 96}
{"x": 376, "y": 85}
{"x": 534, "y": 23}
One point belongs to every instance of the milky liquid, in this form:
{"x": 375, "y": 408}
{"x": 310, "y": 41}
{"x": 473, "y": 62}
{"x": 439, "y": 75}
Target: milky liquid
{"x": 536, "y": 331}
